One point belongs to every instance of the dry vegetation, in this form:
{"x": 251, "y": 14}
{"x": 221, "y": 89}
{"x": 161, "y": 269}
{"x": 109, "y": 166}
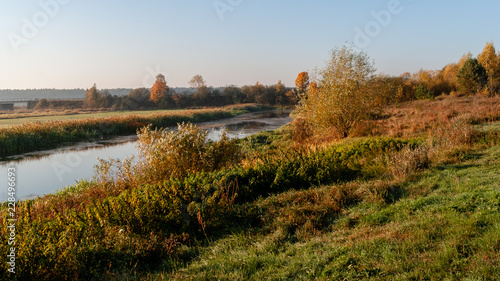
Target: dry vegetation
{"x": 418, "y": 119}
{"x": 29, "y": 113}
{"x": 412, "y": 194}
{"x": 219, "y": 215}
{"x": 36, "y": 135}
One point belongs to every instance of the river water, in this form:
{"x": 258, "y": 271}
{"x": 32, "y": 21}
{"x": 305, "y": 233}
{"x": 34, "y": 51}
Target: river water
{"x": 46, "y": 172}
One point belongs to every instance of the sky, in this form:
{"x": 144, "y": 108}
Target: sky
{"x": 67, "y": 44}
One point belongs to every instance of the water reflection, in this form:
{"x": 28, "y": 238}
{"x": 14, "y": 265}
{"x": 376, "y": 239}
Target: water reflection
{"x": 45, "y": 172}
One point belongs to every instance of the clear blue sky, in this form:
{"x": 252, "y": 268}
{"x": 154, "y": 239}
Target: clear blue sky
{"x": 117, "y": 44}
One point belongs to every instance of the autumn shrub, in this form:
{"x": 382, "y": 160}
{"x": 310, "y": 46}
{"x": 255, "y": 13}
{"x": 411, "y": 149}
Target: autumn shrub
{"x": 458, "y": 131}
{"x": 344, "y": 96}
{"x": 406, "y": 161}
{"x": 148, "y": 223}
{"x": 301, "y": 130}
{"x": 166, "y": 154}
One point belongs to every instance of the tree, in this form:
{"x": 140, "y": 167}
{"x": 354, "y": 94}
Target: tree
{"x": 302, "y": 82}
{"x": 463, "y": 59}
{"x": 137, "y": 99}
{"x": 342, "y": 98}
{"x": 233, "y": 94}
{"x": 449, "y": 74}
{"x": 92, "y": 97}
{"x": 489, "y": 60}
{"x": 197, "y": 82}
{"x": 280, "y": 91}
{"x": 201, "y": 95}
{"x": 159, "y": 89}
{"x": 471, "y": 77}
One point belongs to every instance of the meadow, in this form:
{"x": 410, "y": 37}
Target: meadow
{"x": 398, "y": 202}
{"x": 46, "y": 132}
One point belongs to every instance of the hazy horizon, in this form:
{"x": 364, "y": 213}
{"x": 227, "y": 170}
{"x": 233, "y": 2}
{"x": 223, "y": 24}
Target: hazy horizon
{"x": 68, "y": 44}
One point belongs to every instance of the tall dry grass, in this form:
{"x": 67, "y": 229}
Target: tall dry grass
{"x": 418, "y": 118}
{"x": 38, "y": 136}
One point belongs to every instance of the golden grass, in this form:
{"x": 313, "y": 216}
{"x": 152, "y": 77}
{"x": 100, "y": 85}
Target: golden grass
{"x": 10, "y": 120}
{"x": 421, "y": 118}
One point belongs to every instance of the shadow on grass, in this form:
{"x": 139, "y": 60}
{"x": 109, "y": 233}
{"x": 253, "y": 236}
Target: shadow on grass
{"x": 456, "y": 167}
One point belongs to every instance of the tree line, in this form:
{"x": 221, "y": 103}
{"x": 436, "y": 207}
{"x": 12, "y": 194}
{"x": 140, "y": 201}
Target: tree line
{"x": 160, "y": 96}
{"x": 346, "y": 91}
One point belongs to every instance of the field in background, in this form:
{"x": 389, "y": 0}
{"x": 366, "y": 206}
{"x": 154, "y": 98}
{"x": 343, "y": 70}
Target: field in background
{"x": 13, "y": 119}
{"x": 49, "y": 132}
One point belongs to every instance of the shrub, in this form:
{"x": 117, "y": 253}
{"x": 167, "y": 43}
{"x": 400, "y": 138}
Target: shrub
{"x": 405, "y": 162}
{"x": 344, "y": 96}
{"x": 165, "y": 154}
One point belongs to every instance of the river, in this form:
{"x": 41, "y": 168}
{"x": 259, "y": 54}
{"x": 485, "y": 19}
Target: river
{"x": 46, "y": 172}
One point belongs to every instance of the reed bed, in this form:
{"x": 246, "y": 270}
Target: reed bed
{"x": 35, "y": 136}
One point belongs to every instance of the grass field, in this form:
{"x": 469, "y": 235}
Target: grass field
{"x": 407, "y": 204}
{"x": 47, "y": 132}
{"x": 444, "y": 225}
{"x": 13, "y": 120}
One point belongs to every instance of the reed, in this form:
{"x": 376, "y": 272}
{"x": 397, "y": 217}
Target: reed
{"x": 35, "y": 136}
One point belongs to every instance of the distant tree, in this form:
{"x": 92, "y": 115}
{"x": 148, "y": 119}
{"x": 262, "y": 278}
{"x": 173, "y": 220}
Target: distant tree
{"x": 302, "y": 82}
{"x": 449, "y": 74}
{"x": 260, "y": 94}
{"x": 106, "y": 100}
{"x": 98, "y": 99}
{"x": 489, "y": 60}
{"x": 202, "y": 93}
{"x": 292, "y": 96}
{"x": 159, "y": 89}
{"x": 137, "y": 99}
{"x": 233, "y": 94}
{"x": 463, "y": 59}
{"x": 280, "y": 91}
{"x": 92, "y": 97}
{"x": 342, "y": 98}
{"x": 472, "y": 77}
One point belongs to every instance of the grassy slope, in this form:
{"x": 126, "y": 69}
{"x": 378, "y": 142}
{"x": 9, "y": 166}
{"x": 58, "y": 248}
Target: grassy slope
{"x": 440, "y": 224}
{"x": 446, "y": 225}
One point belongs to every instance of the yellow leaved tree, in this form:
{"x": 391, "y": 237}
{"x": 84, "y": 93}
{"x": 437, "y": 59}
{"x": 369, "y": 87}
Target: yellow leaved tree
{"x": 341, "y": 97}
{"x": 159, "y": 89}
{"x": 491, "y": 62}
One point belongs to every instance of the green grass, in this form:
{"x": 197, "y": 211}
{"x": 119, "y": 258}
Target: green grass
{"x": 492, "y": 126}
{"x": 343, "y": 212}
{"x": 446, "y": 226}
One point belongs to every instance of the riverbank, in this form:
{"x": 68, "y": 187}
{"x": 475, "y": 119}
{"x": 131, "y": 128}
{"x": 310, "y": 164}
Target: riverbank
{"x": 62, "y": 167}
{"x": 409, "y": 207}
{"x": 35, "y": 136}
